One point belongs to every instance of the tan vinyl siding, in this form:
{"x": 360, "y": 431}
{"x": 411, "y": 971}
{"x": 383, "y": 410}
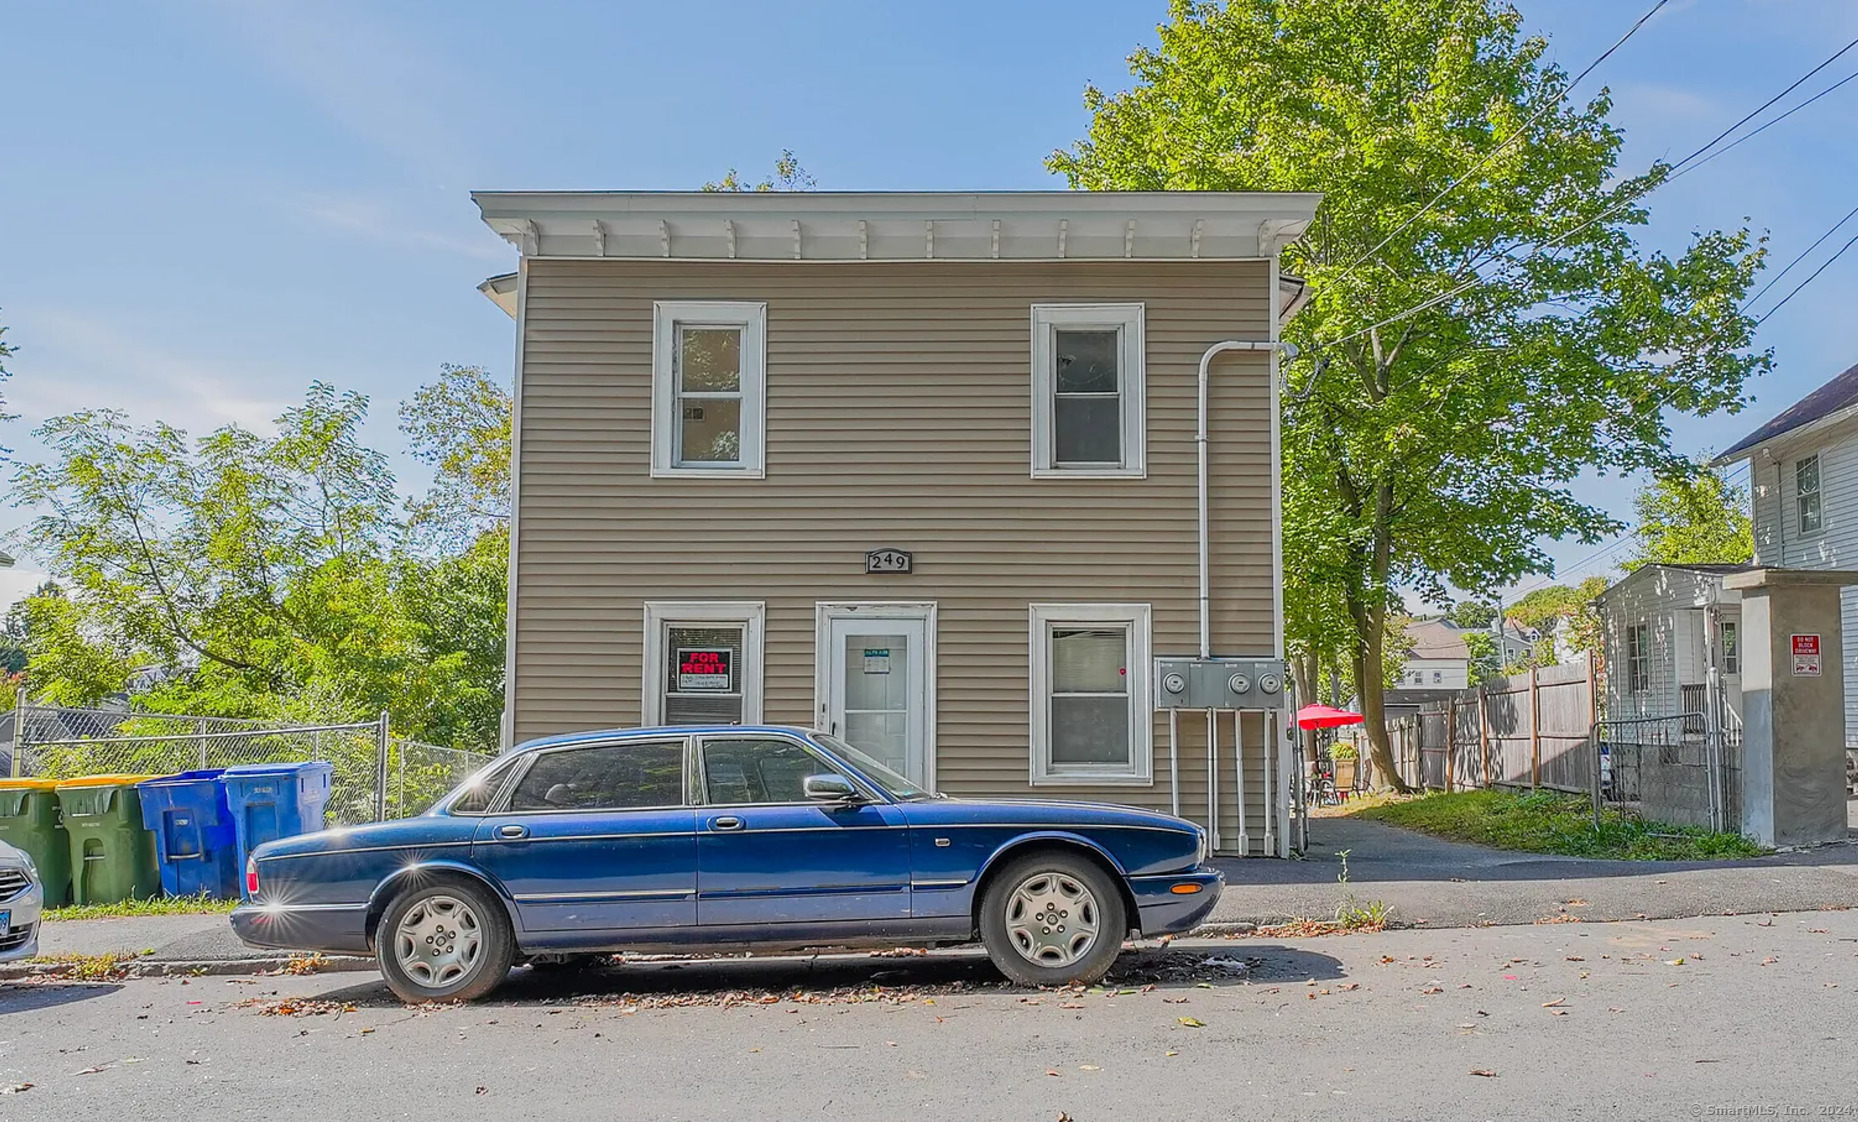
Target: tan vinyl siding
{"x": 898, "y": 414}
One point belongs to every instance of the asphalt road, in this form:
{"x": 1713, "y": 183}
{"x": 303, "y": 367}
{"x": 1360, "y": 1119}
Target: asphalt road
{"x": 1695, "y": 1018}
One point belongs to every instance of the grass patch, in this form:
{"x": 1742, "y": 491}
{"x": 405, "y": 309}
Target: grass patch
{"x": 159, "y": 906}
{"x": 1553, "y": 822}
{"x": 86, "y": 967}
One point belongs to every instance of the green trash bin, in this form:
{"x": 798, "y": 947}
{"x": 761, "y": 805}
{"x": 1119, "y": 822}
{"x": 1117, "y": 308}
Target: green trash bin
{"x": 29, "y": 821}
{"x": 112, "y": 855}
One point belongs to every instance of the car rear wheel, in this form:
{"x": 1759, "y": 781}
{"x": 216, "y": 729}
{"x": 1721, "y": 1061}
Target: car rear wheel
{"x": 1049, "y": 919}
{"x": 445, "y": 942}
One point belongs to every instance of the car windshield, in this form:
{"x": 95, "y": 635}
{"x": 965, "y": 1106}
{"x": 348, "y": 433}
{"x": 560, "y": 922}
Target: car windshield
{"x": 894, "y": 785}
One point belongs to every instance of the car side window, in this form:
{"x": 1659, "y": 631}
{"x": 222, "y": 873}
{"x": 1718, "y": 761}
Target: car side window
{"x": 756, "y": 770}
{"x": 607, "y": 777}
{"x": 481, "y": 790}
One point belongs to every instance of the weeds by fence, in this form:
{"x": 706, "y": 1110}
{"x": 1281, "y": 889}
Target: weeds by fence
{"x": 376, "y": 775}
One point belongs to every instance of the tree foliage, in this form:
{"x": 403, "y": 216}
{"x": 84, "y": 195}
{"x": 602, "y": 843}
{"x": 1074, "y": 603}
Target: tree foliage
{"x": 1691, "y": 517}
{"x": 266, "y": 575}
{"x": 1471, "y": 614}
{"x": 1569, "y": 612}
{"x": 460, "y": 427}
{"x": 1533, "y": 338}
{"x": 788, "y": 176}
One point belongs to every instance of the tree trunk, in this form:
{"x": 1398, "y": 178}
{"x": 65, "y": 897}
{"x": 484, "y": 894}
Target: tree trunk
{"x": 1371, "y": 678}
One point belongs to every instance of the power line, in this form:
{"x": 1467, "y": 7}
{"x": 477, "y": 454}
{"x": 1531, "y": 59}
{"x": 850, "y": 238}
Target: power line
{"x": 1509, "y": 140}
{"x": 1807, "y": 281}
{"x": 1764, "y": 127}
{"x": 1678, "y": 168}
{"x": 1775, "y": 279}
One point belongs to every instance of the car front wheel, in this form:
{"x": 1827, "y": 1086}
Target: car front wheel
{"x": 1050, "y": 919}
{"x": 445, "y": 942}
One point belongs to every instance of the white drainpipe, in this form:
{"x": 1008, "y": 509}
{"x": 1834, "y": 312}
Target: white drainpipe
{"x": 1206, "y": 361}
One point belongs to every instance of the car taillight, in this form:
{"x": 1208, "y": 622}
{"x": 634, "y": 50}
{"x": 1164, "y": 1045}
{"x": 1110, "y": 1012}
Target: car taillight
{"x": 251, "y": 876}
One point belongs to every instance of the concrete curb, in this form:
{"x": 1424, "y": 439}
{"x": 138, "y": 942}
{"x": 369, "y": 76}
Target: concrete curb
{"x": 185, "y": 968}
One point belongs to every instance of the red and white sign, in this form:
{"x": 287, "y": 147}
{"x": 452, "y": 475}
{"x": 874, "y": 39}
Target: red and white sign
{"x": 1806, "y": 656}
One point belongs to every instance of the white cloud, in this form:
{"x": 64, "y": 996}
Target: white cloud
{"x": 81, "y": 361}
{"x": 372, "y": 81}
{"x": 375, "y": 221}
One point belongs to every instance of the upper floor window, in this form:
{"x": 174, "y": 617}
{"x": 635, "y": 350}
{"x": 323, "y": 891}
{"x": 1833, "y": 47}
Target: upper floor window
{"x": 1638, "y": 658}
{"x": 1806, "y": 494}
{"x": 1088, "y": 396}
{"x": 709, "y": 399}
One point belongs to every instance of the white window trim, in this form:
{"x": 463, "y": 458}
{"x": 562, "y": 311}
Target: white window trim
{"x": 1132, "y": 382}
{"x": 1141, "y": 716}
{"x": 825, "y": 611}
{"x": 1818, "y": 494}
{"x": 752, "y": 318}
{"x": 661, "y": 614}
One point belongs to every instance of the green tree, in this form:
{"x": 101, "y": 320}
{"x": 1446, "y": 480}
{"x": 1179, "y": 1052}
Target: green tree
{"x": 1471, "y": 615}
{"x": 460, "y": 427}
{"x": 265, "y": 574}
{"x": 1486, "y": 658}
{"x": 1526, "y": 336}
{"x": 1692, "y": 517}
{"x": 788, "y": 176}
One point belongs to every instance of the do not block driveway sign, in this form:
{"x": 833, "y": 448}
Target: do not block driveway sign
{"x": 1806, "y": 656}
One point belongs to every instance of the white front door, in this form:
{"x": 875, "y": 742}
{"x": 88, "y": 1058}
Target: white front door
{"x": 876, "y": 663}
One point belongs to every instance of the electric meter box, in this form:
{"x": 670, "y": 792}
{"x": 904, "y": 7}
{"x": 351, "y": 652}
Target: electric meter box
{"x": 1219, "y": 683}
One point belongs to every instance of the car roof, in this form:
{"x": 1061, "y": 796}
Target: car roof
{"x": 560, "y": 739}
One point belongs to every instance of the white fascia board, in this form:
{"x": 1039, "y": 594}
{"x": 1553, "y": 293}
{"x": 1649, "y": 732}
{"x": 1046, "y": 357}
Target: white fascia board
{"x": 900, "y": 226}
{"x": 502, "y": 291}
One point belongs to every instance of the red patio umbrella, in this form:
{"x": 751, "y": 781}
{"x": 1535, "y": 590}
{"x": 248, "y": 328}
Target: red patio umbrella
{"x": 1325, "y": 717}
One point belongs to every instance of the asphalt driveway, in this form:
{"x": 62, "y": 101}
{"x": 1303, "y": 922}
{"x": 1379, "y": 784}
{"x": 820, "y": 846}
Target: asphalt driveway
{"x": 1434, "y": 883}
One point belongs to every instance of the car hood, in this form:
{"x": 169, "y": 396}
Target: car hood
{"x": 1039, "y": 812}
{"x": 11, "y": 858}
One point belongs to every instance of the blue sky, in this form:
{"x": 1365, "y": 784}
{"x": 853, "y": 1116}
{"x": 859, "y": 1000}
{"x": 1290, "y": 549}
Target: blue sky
{"x": 205, "y": 204}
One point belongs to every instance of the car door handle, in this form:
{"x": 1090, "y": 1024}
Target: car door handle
{"x": 726, "y": 822}
{"x": 512, "y": 831}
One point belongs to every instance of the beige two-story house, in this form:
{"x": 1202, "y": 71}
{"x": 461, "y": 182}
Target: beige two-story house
{"x": 919, "y": 469}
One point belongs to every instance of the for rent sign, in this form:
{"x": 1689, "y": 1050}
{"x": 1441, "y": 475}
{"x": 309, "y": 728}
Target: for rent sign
{"x": 1806, "y": 656}
{"x": 705, "y": 670}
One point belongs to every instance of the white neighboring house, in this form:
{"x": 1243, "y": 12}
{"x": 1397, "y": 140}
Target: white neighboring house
{"x": 1803, "y": 467}
{"x": 1664, "y": 627}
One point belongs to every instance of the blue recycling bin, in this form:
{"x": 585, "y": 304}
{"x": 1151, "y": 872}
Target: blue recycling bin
{"x": 271, "y": 801}
{"x": 195, "y": 848}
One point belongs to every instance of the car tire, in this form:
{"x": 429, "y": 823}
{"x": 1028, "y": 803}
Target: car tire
{"x": 449, "y": 941}
{"x": 1052, "y": 919}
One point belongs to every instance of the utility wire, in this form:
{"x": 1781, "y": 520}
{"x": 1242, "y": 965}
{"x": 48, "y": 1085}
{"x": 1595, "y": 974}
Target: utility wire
{"x": 1807, "y": 281}
{"x": 1509, "y": 140}
{"x": 1775, "y": 279}
{"x": 1477, "y": 279}
{"x": 1752, "y": 134}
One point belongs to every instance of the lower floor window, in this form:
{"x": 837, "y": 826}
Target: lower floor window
{"x": 1090, "y": 705}
{"x": 702, "y": 663}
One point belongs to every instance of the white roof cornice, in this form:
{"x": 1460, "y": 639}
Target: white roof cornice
{"x": 900, "y": 226}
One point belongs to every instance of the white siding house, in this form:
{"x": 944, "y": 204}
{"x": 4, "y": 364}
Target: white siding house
{"x": 1803, "y": 474}
{"x": 1664, "y": 627}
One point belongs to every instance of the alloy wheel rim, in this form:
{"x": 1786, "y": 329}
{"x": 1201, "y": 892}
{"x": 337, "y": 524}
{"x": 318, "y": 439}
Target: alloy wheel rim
{"x": 1052, "y": 919}
{"x": 438, "y": 941}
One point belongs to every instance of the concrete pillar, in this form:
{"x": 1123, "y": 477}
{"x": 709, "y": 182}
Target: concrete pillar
{"x": 1793, "y": 705}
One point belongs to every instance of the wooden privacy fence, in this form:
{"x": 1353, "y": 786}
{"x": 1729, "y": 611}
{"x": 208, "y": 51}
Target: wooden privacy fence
{"x": 1526, "y": 730}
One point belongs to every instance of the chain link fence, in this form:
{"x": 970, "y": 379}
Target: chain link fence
{"x": 377, "y": 775}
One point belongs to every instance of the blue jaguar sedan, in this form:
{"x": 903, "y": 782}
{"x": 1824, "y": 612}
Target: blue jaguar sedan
{"x": 721, "y": 838}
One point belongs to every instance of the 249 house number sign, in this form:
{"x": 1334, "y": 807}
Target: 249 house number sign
{"x": 888, "y": 561}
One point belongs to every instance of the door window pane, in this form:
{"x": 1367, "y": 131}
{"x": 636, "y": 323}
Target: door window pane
{"x": 611, "y": 777}
{"x": 476, "y": 800}
{"x": 703, "y": 673}
{"x": 758, "y": 771}
{"x": 877, "y": 697}
{"x": 1090, "y": 723}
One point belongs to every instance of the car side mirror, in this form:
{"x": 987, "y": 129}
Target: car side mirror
{"x": 830, "y": 789}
